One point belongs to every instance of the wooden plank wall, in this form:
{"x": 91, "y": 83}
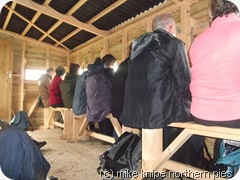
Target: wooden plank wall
{"x": 192, "y": 17}
{"x": 32, "y": 55}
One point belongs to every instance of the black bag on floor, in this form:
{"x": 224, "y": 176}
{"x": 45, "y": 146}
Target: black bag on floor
{"x": 122, "y": 156}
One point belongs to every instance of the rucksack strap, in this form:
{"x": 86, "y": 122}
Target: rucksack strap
{"x": 207, "y": 152}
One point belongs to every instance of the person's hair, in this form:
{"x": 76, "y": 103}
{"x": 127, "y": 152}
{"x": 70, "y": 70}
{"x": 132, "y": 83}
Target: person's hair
{"x": 220, "y": 8}
{"x": 108, "y": 59}
{"x": 74, "y": 68}
{"x": 60, "y": 70}
{"x": 98, "y": 61}
{"x": 50, "y": 70}
{"x": 163, "y": 21}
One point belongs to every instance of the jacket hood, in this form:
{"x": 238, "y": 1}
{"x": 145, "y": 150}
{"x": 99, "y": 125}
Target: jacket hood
{"x": 93, "y": 69}
{"x": 143, "y": 41}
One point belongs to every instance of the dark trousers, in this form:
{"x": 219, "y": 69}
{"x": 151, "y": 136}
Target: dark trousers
{"x": 106, "y": 127}
{"x": 232, "y": 124}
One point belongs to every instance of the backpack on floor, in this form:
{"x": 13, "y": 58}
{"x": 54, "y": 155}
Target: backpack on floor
{"x": 229, "y": 156}
{"x": 122, "y": 157}
{"x": 21, "y": 120}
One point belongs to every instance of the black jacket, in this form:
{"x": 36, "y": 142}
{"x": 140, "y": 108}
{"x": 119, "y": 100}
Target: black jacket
{"x": 118, "y": 88}
{"x": 157, "y": 87}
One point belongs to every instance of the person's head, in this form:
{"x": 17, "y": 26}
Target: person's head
{"x": 98, "y": 61}
{"x": 108, "y": 61}
{"x": 74, "y": 68}
{"x": 50, "y": 71}
{"x": 60, "y": 71}
{"x": 220, "y": 8}
{"x": 165, "y": 22}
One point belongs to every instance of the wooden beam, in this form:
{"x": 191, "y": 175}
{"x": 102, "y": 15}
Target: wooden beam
{"x": 107, "y": 10}
{"x": 124, "y": 45}
{"x": 70, "y": 20}
{"x": 76, "y": 7}
{"x": 22, "y": 76}
{"x": 95, "y": 18}
{"x": 25, "y": 19}
{"x": 15, "y": 35}
{"x": 68, "y": 36}
{"x": 70, "y": 12}
{"x": 51, "y": 30}
{"x": 33, "y": 107}
{"x": 9, "y": 16}
{"x": 186, "y": 24}
{"x": 35, "y": 17}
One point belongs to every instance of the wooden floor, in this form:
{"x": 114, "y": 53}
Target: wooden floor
{"x": 71, "y": 161}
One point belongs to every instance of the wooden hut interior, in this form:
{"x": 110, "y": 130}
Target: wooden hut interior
{"x": 37, "y": 34}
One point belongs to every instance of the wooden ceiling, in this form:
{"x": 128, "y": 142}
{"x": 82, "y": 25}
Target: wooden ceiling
{"x": 69, "y": 23}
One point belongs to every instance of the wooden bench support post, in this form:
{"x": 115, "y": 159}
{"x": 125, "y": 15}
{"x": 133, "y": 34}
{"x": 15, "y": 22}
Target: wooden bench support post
{"x": 152, "y": 143}
{"x": 80, "y": 124}
{"x": 80, "y": 129}
{"x": 67, "y": 115}
{"x": 67, "y": 124}
{"x": 153, "y": 160}
{"x": 172, "y": 148}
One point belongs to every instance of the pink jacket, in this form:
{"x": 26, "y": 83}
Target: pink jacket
{"x": 215, "y": 84}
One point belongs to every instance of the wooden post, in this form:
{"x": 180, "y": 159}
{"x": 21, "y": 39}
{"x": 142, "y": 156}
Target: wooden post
{"x": 152, "y": 148}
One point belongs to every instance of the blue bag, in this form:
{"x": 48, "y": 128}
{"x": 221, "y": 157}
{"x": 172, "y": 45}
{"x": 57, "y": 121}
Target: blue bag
{"x": 229, "y": 156}
{"x": 21, "y": 120}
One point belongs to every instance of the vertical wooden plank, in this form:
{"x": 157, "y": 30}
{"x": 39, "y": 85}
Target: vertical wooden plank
{"x": 152, "y": 148}
{"x": 22, "y": 75}
{"x": 124, "y": 45}
{"x": 6, "y": 58}
{"x": 186, "y": 23}
{"x": 105, "y": 47}
{"x": 47, "y": 57}
{"x": 149, "y": 25}
{"x": 90, "y": 53}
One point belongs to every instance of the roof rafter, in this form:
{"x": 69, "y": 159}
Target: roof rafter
{"x": 95, "y": 18}
{"x": 9, "y": 16}
{"x": 68, "y": 19}
{"x": 70, "y": 12}
{"x": 34, "y": 19}
{"x": 29, "y": 22}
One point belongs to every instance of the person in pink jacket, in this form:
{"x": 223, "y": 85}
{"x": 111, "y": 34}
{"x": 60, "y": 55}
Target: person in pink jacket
{"x": 215, "y": 72}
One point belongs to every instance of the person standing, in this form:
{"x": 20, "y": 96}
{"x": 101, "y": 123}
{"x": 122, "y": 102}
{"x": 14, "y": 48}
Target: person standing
{"x": 44, "y": 86}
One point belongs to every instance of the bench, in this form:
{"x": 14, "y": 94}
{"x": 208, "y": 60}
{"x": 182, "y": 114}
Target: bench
{"x": 80, "y": 131}
{"x": 152, "y": 160}
{"x": 67, "y": 124}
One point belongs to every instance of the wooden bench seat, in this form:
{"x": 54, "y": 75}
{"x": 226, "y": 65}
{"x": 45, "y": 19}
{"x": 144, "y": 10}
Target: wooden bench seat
{"x": 161, "y": 161}
{"x": 67, "y": 125}
{"x": 80, "y": 131}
